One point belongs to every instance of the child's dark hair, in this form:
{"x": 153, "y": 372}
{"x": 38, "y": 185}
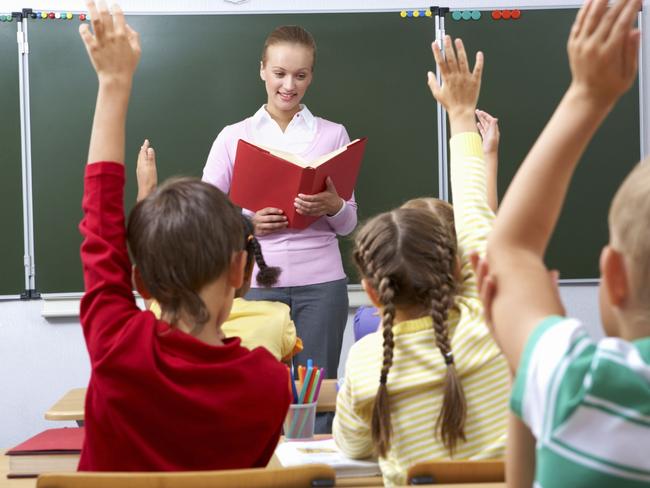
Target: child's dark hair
{"x": 182, "y": 237}
{"x": 267, "y": 275}
{"x": 408, "y": 256}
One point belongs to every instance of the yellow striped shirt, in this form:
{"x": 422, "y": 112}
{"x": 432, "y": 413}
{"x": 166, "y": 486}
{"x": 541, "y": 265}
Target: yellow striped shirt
{"x": 416, "y": 379}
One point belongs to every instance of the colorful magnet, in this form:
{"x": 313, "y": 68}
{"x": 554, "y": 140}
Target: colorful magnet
{"x": 82, "y": 16}
{"x": 57, "y": 15}
{"x": 516, "y": 14}
{"x": 34, "y": 15}
{"x": 402, "y": 13}
{"x": 428, "y": 13}
{"x": 50, "y": 15}
{"x": 410, "y": 13}
{"x": 68, "y": 16}
{"x": 476, "y": 15}
{"x": 416, "y": 13}
{"x": 496, "y": 14}
{"x": 506, "y": 14}
{"x": 456, "y": 15}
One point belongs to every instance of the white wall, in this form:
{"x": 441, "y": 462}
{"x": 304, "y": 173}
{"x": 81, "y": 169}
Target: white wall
{"x": 42, "y": 359}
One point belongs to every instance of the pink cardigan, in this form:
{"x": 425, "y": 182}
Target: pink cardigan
{"x": 307, "y": 256}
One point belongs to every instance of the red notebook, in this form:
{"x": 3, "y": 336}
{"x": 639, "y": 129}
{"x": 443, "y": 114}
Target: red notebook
{"x": 269, "y": 178}
{"x": 53, "y": 450}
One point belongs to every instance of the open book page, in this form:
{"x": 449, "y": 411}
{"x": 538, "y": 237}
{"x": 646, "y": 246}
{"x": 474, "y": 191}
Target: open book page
{"x": 303, "y": 163}
{"x": 296, "y": 453}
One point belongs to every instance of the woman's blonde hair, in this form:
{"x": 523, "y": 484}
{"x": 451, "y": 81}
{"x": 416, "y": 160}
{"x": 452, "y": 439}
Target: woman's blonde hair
{"x": 290, "y": 34}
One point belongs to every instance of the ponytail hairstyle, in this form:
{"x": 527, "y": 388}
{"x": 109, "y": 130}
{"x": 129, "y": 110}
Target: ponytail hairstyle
{"x": 408, "y": 256}
{"x": 267, "y": 275}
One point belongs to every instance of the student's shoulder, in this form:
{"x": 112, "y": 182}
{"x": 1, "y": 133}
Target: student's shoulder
{"x": 367, "y": 350}
{"x": 261, "y": 306}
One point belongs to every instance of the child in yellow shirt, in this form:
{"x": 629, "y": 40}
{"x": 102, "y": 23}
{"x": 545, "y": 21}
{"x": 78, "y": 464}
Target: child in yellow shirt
{"x": 258, "y": 323}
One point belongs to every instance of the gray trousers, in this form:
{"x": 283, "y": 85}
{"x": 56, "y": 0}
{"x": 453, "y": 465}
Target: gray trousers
{"x": 320, "y": 313}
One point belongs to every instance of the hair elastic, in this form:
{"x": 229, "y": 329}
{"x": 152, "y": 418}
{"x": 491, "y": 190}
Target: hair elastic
{"x": 383, "y": 378}
{"x": 449, "y": 358}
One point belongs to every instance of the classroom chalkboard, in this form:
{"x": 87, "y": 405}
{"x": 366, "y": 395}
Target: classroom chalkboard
{"x": 200, "y": 73}
{"x": 12, "y": 272}
{"x": 526, "y": 73}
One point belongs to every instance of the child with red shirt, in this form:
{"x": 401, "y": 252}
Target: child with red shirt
{"x": 170, "y": 394}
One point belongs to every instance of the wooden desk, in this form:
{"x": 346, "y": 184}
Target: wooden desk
{"x": 69, "y": 407}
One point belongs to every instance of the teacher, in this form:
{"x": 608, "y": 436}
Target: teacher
{"x": 312, "y": 282}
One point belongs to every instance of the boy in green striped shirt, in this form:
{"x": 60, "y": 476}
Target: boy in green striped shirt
{"x": 581, "y": 408}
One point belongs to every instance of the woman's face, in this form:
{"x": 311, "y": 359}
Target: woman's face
{"x": 287, "y": 74}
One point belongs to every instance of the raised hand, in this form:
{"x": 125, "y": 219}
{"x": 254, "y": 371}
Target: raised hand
{"x": 460, "y": 86}
{"x": 146, "y": 171}
{"x": 113, "y": 47}
{"x": 327, "y": 202}
{"x": 603, "y": 49}
{"x": 488, "y": 127}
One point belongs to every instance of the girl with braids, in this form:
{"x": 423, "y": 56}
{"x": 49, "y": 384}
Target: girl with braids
{"x": 431, "y": 383}
{"x": 257, "y": 323}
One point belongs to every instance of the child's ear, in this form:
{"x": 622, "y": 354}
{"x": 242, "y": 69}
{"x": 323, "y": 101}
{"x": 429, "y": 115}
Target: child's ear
{"x": 262, "y": 75}
{"x": 615, "y": 276}
{"x": 237, "y": 269}
{"x": 138, "y": 283}
{"x": 371, "y": 292}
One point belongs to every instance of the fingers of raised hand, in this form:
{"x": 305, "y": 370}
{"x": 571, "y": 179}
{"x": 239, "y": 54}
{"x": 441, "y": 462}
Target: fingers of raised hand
{"x": 441, "y": 62}
{"x": 86, "y": 36}
{"x": 134, "y": 39}
{"x": 450, "y": 55}
{"x": 595, "y": 10}
{"x": 104, "y": 20}
{"x": 478, "y": 66}
{"x": 461, "y": 56}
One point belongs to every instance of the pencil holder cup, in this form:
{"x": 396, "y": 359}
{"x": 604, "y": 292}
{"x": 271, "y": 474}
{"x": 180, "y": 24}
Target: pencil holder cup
{"x": 299, "y": 422}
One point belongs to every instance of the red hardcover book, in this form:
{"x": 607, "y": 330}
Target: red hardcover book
{"x": 53, "y": 450}
{"x": 269, "y": 178}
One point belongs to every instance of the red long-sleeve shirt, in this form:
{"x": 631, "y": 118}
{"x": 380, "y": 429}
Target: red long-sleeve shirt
{"x": 160, "y": 399}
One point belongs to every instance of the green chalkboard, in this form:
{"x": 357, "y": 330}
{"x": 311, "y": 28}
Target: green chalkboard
{"x": 200, "y": 73}
{"x": 526, "y": 73}
{"x": 12, "y": 273}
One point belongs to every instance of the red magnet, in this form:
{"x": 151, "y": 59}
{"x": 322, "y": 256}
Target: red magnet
{"x": 516, "y": 14}
{"x": 506, "y": 14}
{"x": 82, "y": 16}
{"x": 51, "y": 15}
{"x": 496, "y": 14}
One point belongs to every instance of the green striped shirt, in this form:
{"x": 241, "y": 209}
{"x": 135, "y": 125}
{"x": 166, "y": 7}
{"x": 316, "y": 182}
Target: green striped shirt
{"x": 587, "y": 404}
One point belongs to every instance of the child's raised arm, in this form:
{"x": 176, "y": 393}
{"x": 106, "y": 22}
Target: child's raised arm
{"x": 603, "y": 49}
{"x": 114, "y": 50}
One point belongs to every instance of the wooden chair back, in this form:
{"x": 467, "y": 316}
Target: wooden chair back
{"x": 308, "y": 476}
{"x": 461, "y": 471}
